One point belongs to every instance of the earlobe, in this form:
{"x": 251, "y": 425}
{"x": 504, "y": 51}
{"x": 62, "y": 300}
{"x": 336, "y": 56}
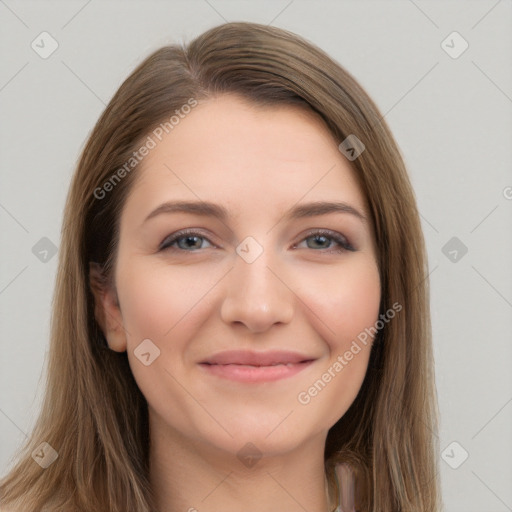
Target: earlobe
{"x": 106, "y": 308}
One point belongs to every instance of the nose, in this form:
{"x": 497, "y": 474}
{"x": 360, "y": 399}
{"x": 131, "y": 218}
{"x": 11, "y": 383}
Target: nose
{"x": 257, "y": 295}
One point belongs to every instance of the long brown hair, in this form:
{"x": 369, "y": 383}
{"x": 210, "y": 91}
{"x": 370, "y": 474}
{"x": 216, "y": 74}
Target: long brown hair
{"x": 93, "y": 413}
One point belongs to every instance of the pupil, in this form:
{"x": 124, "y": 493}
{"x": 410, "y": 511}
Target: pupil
{"x": 189, "y": 240}
{"x": 320, "y": 239}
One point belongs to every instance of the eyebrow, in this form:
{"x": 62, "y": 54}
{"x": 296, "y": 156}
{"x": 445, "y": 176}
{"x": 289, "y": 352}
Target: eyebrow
{"x": 208, "y": 209}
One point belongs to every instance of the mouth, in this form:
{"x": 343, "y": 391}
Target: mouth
{"x": 255, "y": 367}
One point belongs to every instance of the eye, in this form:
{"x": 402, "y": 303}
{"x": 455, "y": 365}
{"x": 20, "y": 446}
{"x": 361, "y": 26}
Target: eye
{"x": 324, "y": 239}
{"x": 186, "y": 240}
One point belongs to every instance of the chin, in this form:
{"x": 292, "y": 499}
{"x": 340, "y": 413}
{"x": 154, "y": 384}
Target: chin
{"x": 266, "y": 436}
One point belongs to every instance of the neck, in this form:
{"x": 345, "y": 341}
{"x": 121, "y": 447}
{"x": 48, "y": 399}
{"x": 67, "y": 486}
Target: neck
{"x": 190, "y": 476}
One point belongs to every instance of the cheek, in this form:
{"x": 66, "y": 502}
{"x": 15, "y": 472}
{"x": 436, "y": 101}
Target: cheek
{"x": 347, "y": 308}
{"x": 149, "y": 309}
{"x": 167, "y": 307}
{"x": 157, "y": 302}
{"x": 347, "y": 303}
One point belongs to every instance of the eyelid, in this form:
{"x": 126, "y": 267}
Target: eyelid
{"x": 340, "y": 238}
{"x": 342, "y": 241}
{"x": 173, "y": 237}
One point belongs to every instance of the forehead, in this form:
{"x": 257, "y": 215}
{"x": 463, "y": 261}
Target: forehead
{"x": 230, "y": 150}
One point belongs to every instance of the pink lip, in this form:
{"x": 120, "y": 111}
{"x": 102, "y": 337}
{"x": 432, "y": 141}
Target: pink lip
{"x": 246, "y": 366}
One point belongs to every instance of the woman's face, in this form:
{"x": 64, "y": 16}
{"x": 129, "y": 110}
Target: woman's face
{"x": 254, "y": 314}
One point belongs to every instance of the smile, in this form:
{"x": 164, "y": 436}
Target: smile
{"x": 253, "y": 367}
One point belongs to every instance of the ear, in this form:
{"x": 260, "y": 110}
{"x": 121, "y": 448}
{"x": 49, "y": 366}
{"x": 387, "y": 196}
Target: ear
{"x": 106, "y": 308}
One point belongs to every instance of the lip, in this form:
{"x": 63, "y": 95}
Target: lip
{"x": 247, "y": 366}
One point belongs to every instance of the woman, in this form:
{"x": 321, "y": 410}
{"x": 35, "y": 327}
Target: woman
{"x": 241, "y": 315}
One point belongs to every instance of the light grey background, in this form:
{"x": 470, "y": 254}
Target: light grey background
{"x": 451, "y": 118}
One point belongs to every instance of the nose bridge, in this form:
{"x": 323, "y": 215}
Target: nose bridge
{"x": 255, "y": 293}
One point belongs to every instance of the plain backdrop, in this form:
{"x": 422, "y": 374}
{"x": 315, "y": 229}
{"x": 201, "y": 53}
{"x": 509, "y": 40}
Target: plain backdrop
{"x": 448, "y": 106}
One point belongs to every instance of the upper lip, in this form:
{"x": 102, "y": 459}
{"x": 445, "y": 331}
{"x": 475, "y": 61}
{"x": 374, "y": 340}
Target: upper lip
{"x": 268, "y": 358}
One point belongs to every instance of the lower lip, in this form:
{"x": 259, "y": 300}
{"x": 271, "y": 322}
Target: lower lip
{"x": 245, "y": 373}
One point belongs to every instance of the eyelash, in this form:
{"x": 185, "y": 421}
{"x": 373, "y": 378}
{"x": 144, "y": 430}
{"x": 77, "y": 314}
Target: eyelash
{"x": 342, "y": 242}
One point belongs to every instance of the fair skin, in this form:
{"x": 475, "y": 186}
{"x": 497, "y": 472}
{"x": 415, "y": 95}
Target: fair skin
{"x": 304, "y": 293}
